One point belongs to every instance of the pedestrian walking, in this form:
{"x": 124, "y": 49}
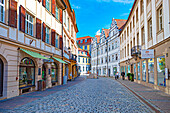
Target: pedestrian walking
{"x": 123, "y": 75}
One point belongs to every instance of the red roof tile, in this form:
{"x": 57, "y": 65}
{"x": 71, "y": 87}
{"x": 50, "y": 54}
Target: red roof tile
{"x": 106, "y": 32}
{"x": 98, "y": 38}
{"x": 120, "y": 23}
{"x": 80, "y": 38}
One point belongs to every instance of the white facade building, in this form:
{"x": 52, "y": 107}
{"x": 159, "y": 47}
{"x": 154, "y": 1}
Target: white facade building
{"x": 106, "y": 51}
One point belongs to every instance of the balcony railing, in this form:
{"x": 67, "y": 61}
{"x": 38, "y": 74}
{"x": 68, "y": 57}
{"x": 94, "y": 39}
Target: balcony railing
{"x": 73, "y": 57}
{"x": 136, "y": 50}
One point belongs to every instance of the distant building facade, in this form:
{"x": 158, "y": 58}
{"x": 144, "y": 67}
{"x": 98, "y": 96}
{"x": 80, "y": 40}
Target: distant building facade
{"x": 84, "y": 61}
{"x": 106, "y": 51}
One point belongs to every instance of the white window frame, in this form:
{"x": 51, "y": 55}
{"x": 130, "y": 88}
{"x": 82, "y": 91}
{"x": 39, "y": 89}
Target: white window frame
{"x": 57, "y": 12}
{"x": 3, "y": 13}
{"x": 48, "y": 6}
{"x": 47, "y": 39}
{"x": 160, "y": 16}
{"x": 29, "y": 25}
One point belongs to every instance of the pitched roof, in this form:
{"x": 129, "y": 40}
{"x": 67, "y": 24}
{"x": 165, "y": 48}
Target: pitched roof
{"x": 106, "y": 32}
{"x": 80, "y": 38}
{"x": 98, "y": 38}
{"x": 88, "y": 55}
{"x": 120, "y": 23}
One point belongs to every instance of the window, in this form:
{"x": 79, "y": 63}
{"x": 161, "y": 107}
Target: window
{"x": 109, "y": 58}
{"x": 102, "y": 60}
{"x": 130, "y": 26}
{"x": 85, "y": 47}
{"x": 83, "y": 60}
{"x": 150, "y": 28}
{"x": 86, "y": 60}
{"x": 85, "y": 40}
{"x": 136, "y": 15}
{"x": 81, "y": 41}
{"x": 112, "y": 45}
{"x": 133, "y": 21}
{"x": 144, "y": 70}
{"x": 137, "y": 38}
{"x": 106, "y": 59}
{"x": 89, "y": 60}
{"x": 143, "y": 36}
{"x": 128, "y": 50}
{"x": 138, "y": 70}
{"x": 112, "y": 57}
{"x": 71, "y": 30}
{"x": 57, "y": 12}
{"x": 160, "y": 19}
{"x": 83, "y": 68}
{"x": 64, "y": 17}
{"x": 56, "y": 41}
{"x": 101, "y": 51}
{"x": 79, "y": 60}
{"x": 116, "y": 44}
{"x": 47, "y": 35}
{"x": 109, "y": 47}
{"x": 142, "y": 6}
{"x": 2, "y": 10}
{"x": 151, "y": 70}
{"x": 116, "y": 57}
{"x": 128, "y": 31}
{"x": 29, "y": 24}
{"x": 48, "y": 5}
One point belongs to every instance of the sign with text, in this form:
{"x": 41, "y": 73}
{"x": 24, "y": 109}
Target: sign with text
{"x": 147, "y": 53}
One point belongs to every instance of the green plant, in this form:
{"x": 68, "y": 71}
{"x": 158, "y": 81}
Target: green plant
{"x": 128, "y": 74}
{"x": 132, "y": 77}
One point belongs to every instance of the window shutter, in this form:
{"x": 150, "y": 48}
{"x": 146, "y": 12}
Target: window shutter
{"x": 61, "y": 15}
{"x": 53, "y": 37}
{"x": 38, "y": 28}
{"x": 44, "y": 3}
{"x": 53, "y": 7}
{"x": 61, "y": 42}
{"x": 13, "y": 13}
{"x": 22, "y": 18}
{"x": 44, "y": 32}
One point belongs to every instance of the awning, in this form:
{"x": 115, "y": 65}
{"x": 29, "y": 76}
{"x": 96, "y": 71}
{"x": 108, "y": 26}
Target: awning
{"x": 59, "y": 60}
{"x": 33, "y": 54}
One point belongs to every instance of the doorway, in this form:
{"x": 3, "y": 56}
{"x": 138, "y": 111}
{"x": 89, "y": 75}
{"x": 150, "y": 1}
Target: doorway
{"x": 44, "y": 72}
{"x": 1, "y": 77}
{"x": 109, "y": 72}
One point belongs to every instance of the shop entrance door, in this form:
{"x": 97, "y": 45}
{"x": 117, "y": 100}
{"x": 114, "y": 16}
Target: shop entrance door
{"x": 44, "y": 73}
{"x": 1, "y": 77}
{"x": 109, "y": 72}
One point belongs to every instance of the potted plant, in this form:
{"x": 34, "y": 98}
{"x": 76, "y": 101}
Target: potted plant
{"x": 128, "y": 75}
{"x": 132, "y": 77}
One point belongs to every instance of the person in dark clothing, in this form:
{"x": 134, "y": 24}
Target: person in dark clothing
{"x": 123, "y": 75}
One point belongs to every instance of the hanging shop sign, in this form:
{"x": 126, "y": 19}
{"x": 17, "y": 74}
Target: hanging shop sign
{"x": 147, "y": 53}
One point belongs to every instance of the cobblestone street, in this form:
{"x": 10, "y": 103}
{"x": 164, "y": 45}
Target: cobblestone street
{"x": 91, "y": 95}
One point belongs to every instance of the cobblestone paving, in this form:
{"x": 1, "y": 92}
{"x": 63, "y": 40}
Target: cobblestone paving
{"x": 92, "y": 96}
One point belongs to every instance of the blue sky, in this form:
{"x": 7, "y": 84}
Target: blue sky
{"x": 92, "y": 15}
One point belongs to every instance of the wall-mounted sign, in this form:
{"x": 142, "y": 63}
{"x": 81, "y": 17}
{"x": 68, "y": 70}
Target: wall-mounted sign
{"x": 147, "y": 53}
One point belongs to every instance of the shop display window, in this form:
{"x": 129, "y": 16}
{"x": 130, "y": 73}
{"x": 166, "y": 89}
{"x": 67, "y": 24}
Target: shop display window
{"x": 54, "y": 72}
{"x": 128, "y": 68}
{"x": 27, "y": 73}
{"x": 144, "y": 70}
{"x": 134, "y": 71}
{"x": 138, "y": 70}
{"x": 151, "y": 70}
{"x": 161, "y": 71}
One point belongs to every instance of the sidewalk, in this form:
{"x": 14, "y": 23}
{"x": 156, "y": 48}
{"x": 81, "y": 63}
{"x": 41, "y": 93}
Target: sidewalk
{"x": 14, "y": 102}
{"x": 156, "y": 98}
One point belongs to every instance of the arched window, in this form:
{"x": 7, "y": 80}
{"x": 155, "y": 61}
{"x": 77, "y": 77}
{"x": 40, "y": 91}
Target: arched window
{"x": 26, "y": 73}
{"x": 54, "y": 73}
{"x": 1, "y": 77}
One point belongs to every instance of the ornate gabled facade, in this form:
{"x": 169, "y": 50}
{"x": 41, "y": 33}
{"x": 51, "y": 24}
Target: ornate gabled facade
{"x": 106, "y": 51}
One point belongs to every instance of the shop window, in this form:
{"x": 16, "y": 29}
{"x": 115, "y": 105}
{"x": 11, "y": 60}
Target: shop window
{"x": 144, "y": 70}
{"x": 27, "y": 73}
{"x": 138, "y": 70}
{"x": 54, "y": 72}
{"x": 29, "y": 24}
{"x": 47, "y": 35}
{"x": 2, "y": 10}
{"x": 161, "y": 71}
{"x": 125, "y": 71}
{"x": 128, "y": 68}
{"x": 151, "y": 70}
{"x": 134, "y": 71}
{"x": 1, "y": 77}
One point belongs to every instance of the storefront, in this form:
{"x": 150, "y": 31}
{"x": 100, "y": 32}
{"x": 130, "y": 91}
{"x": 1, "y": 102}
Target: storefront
{"x": 144, "y": 70}
{"x": 1, "y": 77}
{"x": 151, "y": 70}
{"x": 26, "y": 73}
{"x": 114, "y": 70}
{"x": 134, "y": 71}
{"x": 161, "y": 71}
{"x": 54, "y": 73}
{"x": 138, "y": 70}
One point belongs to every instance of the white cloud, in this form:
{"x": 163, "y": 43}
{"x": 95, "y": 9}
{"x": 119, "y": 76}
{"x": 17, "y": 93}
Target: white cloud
{"x": 119, "y": 1}
{"x": 98, "y": 32}
{"x": 124, "y": 14}
{"x": 75, "y": 7}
